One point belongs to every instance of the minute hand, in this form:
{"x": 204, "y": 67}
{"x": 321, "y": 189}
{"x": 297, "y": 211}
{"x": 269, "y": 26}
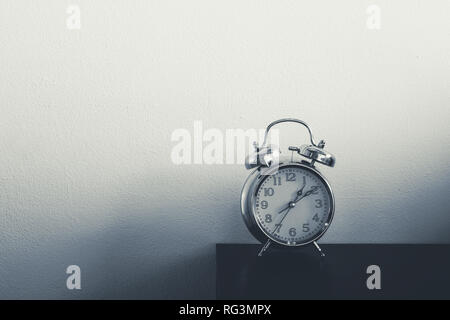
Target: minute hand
{"x": 297, "y": 197}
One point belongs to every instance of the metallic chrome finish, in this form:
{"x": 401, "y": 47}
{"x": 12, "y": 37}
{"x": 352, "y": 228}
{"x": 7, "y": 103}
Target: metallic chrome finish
{"x": 264, "y": 156}
{"x": 264, "y": 248}
{"x": 319, "y": 249}
{"x": 266, "y": 162}
{"x": 291, "y": 120}
{"x": 248, "y": 200}
{"x": 317, "y": 154}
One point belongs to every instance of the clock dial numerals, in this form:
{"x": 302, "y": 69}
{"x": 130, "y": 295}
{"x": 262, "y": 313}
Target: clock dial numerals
{"x": 306, "y": 218}
{"x": 290, "y": 176}
{"x": 277, "y": 227}
{"x": 306, "y": 227}
{"x": 292, "y": 232}
{"x": 276, "y": 180}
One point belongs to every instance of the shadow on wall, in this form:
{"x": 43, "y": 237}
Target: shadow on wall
{"x": 140, "y": 255}
{"x": 165, "y": 253}
{"x": 112, "y": 267}
{"x": 397, "y": 216}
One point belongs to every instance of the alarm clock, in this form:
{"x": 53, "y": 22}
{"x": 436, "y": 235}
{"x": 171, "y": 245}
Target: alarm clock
{"x": 287, "y": 202}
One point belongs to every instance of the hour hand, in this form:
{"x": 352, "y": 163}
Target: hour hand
{"x": 313, "y": 190}
{"x": 300, "y": 191}
{"x": 297, "y": 197}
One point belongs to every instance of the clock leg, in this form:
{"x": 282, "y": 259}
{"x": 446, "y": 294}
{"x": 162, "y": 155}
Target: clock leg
{"x": 318, "y": 249}
{"x": 264, "y": 248}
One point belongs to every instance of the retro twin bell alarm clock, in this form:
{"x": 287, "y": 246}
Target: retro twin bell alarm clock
{"x": 286, "y": 202}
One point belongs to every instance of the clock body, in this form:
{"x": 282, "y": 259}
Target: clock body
{"x": 291, "y": 204}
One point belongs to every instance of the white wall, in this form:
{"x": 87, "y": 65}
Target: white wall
{"x": 86, "y": 118}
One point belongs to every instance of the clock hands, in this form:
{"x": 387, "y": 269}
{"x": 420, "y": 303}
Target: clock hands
{"x": 286, "y": 208}
{"x": 290, "y": 206}
{"x": 303, "y": 186}
{"x": 313, "y": 190}
{"x": 299, "y": 196}
{"x": 279, "y": 224}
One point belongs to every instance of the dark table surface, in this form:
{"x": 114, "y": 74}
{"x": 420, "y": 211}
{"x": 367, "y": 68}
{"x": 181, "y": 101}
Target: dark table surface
{"x": 406, "y": 272}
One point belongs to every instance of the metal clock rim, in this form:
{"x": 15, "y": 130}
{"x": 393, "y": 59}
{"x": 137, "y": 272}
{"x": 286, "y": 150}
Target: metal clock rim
{"x": 249, "y": 200}
{"x": 290, "y": 120}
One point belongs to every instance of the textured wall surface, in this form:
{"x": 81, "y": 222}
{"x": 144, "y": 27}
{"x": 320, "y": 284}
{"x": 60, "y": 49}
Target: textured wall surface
{"x": 87, "y": 115}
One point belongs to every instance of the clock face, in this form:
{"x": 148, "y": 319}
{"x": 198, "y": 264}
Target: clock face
{"x": 293, "y": 206}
